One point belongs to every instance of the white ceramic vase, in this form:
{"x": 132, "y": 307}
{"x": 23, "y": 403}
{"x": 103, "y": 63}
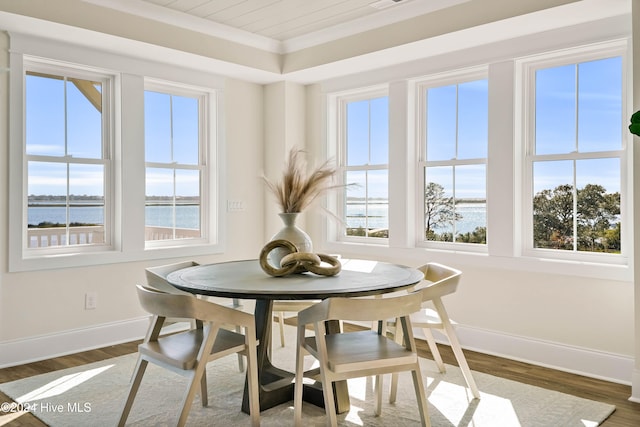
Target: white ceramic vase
{"x": 293, "y": 234}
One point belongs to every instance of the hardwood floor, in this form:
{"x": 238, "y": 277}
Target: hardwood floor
{"x": 627, "y": 414}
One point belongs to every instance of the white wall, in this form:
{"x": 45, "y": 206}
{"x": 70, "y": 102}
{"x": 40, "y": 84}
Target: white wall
{"x": 42, "y": 313}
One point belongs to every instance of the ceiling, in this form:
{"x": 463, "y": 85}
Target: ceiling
{"x": 304, "y": 41}
{"x": 281, "y": 26}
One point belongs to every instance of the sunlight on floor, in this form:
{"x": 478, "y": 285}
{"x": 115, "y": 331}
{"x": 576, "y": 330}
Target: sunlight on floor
{"x": 61, "y": 385}
{"x": 12, "y": 416}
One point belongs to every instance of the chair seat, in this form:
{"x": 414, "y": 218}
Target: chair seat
{"x": 363, "y": 350}
{"x": 181, "y": 350}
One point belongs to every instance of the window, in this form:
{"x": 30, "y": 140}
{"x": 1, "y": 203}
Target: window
{"x": 80, "y": 169}
{"x": 175, "y": 168}
{"x": 454, "y": 142}
{"x": 364, "y": 165}
{"x": 67, "y": 150}
{"x": 574, "y": 156}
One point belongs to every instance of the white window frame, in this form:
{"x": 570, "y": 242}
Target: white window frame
{"x": 527, "y": 68}
{"x": 338, "y": 128}
{"x": 207, "y": 120}
{"x": 505, "y": 167}
{"x": 108, "y": 82}
{"x": 450, "y": 78}
{"x": 127, "y": 210}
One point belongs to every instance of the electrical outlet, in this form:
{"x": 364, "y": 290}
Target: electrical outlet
{"x": 90, "y": 301}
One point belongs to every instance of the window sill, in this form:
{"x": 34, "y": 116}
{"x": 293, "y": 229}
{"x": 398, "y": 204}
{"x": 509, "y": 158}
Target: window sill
{"x": 87, "y": 259}
{"x": 419, "y": 256}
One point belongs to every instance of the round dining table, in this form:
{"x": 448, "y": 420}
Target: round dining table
{"x": 246, "y": 280}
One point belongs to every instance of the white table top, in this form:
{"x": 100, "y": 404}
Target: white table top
{"x": 245, "y": 279}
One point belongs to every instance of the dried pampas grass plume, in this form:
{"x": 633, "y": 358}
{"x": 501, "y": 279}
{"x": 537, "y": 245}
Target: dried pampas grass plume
{"x": 297, "y": 190}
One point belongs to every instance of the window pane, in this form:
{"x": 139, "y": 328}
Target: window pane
{"x": 358, "y": 133}
{"x": 172, "y": 214}
{"x": 598, "y": 205}
{"x": 84, "y": 119}
{"x": 553, "y": 205}
{"x": 47, "y": 188}
{"x": 185, "y": 130}
{"x": 600, "y": 105}
{"x": 473, "y": 119}
{"x": 356, "y": 203}
{"x": 439, "y": 209}
{"x": 555, "y": 121}
{"x": 188, "y": 202}
{"x": 45, "y": 115}
{"x": 441, "y": 123}
{"x": 471, "y": 204}
{"x": 157, "y": 127}
{"x": 65, "y": 208}
{"x": 86, "y": 191}
{"x": 159, "y": 199}
{"x": 379, "y": 131}
{"x": 378, "y": 201}
{"x": 367, "y": 204}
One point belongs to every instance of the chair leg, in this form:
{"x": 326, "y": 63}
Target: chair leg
{"x": 299, "y": 380}
{"x": 281, "y": 324}
{"x": 434, "y": 350}
{"x": 421, "y": 396}
{"x": 394, "y": 376}
{"x": 252, "y": 379}
{"x": 377, "y": 389}
{"x": 329, "y": 401}
{"x": 457, "y": 349}
{"x": 240, "y": 356}
{"x": 141, "y": 366}
{"x": 204, "y": 394}
{"x": 194, "y": 381}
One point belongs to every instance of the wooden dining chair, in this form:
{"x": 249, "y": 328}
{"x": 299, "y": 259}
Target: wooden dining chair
{"x": 439, "y": 280}
{"x": 189, "y": 352}
{"x": 358, "y": 354}
{"x": 157, "y": 278}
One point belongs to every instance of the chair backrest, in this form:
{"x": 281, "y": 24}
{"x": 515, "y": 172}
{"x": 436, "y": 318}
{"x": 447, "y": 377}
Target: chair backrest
{"x": 165, "y": 304}
{"x": 157, "y": 276}
{"x": 439, "y": 280}
{"x": 361, "y": 309}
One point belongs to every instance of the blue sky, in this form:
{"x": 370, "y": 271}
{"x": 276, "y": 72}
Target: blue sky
{"x": 593, "y": 89}
{"x": 58, "y": 127}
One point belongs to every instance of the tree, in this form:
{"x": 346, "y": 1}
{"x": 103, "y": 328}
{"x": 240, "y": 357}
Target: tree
{"x": 478, "y": 235}
{"x": 553, "y": 218}
{"x": 597, "y": 211}
{"x": 439, "y": 210}
{"x": 595, "y": 215}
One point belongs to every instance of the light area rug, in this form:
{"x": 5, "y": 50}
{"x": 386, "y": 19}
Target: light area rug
{"x": 94, "y": 394}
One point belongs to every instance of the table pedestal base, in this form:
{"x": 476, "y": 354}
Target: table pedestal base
{"x": 277, "y": 385}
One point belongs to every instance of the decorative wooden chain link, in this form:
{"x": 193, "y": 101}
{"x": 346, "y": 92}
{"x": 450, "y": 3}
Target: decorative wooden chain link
{"x": 297, "y": 262}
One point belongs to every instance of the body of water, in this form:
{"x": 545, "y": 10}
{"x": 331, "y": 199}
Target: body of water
{"x": 187, "y": 216}
{"x": 473, "y": 215}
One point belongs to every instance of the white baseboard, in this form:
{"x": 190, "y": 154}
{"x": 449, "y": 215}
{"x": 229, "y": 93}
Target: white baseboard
{"x": 587, "y": 362}
{"x": 32, "y": 349}
{"x": 582, "y": 361}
